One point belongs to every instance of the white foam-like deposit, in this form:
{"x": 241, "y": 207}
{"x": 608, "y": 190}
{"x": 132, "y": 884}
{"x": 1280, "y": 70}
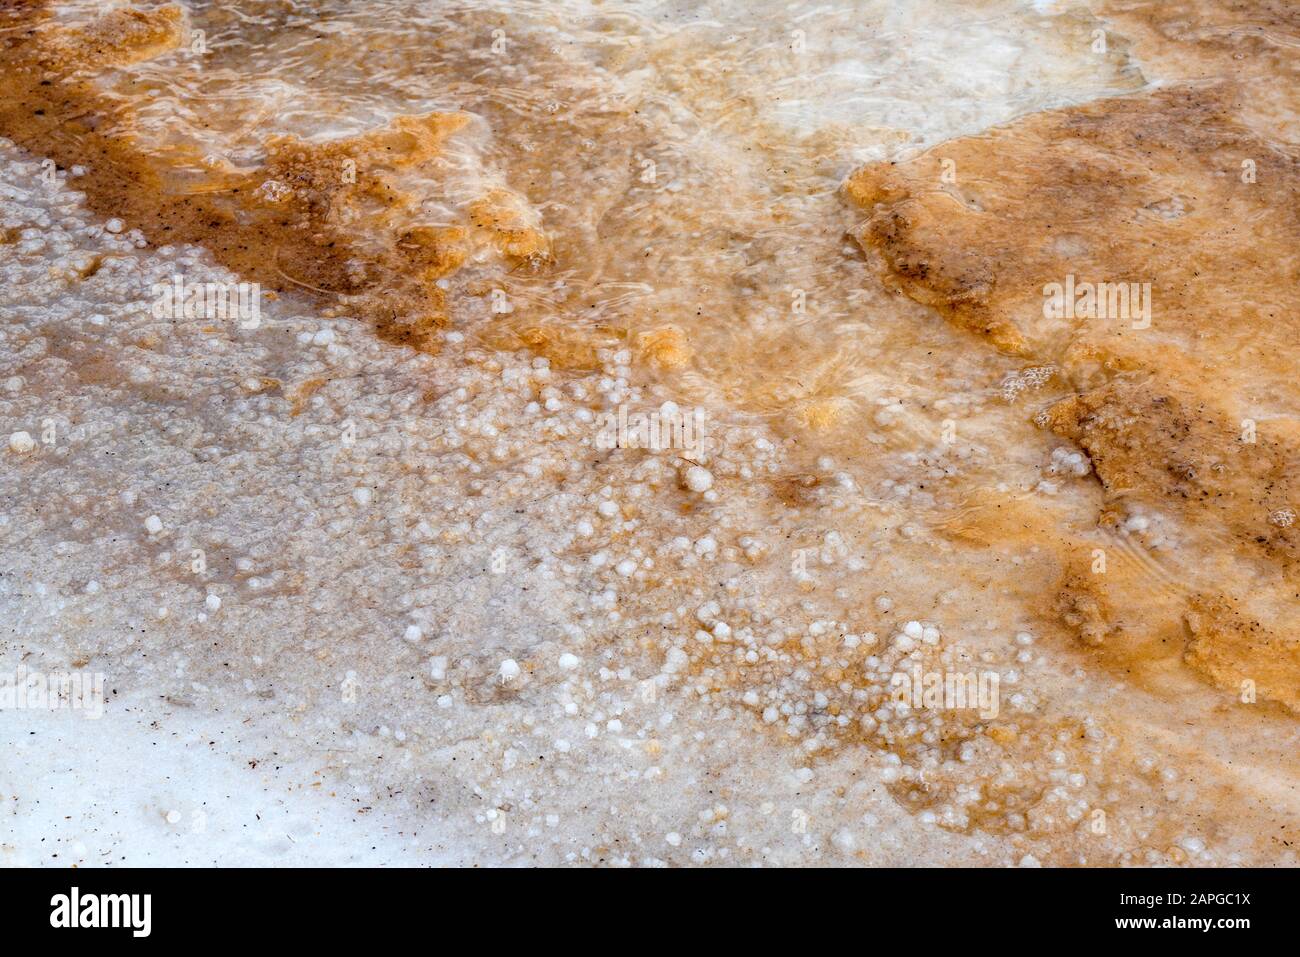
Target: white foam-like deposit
{"x": 282, "y": 662}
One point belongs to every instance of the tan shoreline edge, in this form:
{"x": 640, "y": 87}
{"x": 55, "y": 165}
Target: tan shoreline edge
{"x": 1251, "y": 42}
{"x": 1191, "y": 409}
{"x": 330, "y": 220}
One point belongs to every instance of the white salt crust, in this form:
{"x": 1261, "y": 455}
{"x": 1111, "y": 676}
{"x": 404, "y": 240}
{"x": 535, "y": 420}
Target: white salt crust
{"x": 509, "y": 726}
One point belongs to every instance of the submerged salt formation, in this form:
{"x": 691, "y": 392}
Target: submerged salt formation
{"x": 411, "y": 598}
{"x": 339, "y": 218}
{"x": 1179, "y": 380}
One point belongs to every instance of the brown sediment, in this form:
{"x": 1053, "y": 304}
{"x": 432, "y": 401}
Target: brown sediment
{"x": 1110, "y": 596}
{"x": 1241, "y": 654}
{"x": 509, "y": 221}
{"x": 1191, "y": 413}
{"x": 1084, "y": 607}
{"x": 1098, "y": 590}
{"x": 667, "y": 347}
{"x": 904, "y": 232}
{"x": 119, "y": 38}
{"x": 1136, "y": 188}
{"x": 1145, "y": 439}
{"x": 303, "y": 392}
{"x": 333, "y": 220}
{"x": 1252, "y": 41}
{"x": 565, "y": 348}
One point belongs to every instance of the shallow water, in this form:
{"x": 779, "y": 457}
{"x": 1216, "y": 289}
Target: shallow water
{"x": 684, "y": 160}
